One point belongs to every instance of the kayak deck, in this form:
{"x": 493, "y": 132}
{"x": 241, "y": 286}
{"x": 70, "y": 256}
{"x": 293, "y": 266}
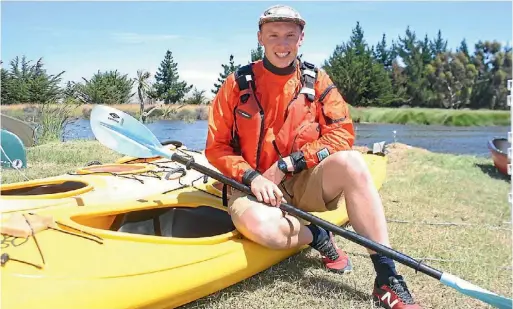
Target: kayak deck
{"x": 160, "y": 251}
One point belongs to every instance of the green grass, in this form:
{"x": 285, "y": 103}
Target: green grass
{"x": 57, "y": 158}
{"x": 190, "y": 113}
{"x": 428, "y": 116}
{"x": 421, "y": 188}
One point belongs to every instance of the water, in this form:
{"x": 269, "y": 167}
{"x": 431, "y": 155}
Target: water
{"x": 454, "y": 140}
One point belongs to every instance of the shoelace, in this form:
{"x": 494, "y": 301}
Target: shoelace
{"x": 402, "y": 292}
{"x": 328, "y": 250}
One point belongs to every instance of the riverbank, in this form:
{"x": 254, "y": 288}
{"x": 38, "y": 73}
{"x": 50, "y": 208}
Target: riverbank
{"x": 189, "y": 113}
{"x": 422, "y": 191}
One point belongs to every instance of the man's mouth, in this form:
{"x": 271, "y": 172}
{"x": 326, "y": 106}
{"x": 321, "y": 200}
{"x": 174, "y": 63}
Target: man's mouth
{"x": 282, "y": 55}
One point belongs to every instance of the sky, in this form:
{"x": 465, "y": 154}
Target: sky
{"x": 84, "y": 37}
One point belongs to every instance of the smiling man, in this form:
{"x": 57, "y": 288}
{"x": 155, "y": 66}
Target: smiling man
{"x": 280, "y": 126}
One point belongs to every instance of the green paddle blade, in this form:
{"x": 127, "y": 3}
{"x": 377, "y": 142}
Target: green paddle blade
{"x": 125, "y": 134}
{"x": 474, "y": 291}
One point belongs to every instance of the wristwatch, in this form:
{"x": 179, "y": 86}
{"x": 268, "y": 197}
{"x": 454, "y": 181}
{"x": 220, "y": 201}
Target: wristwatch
{"x": 282, "y": 165}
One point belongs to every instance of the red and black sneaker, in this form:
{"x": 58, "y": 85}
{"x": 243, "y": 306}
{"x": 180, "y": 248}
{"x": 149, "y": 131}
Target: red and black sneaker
{"x": 394, "y": 295}
{"x": 335, "y": 259}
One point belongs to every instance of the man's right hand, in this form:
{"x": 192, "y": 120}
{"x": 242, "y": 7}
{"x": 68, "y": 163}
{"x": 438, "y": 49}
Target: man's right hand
{"x": 267, "y": 191}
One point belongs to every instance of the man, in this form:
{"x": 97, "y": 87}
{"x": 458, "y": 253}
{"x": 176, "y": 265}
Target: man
{"x": 282, "y": 128}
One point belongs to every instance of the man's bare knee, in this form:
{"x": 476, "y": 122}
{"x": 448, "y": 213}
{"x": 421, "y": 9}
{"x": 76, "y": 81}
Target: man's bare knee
{"x": 351, "y": 164}
{"x": 261, "y": 224}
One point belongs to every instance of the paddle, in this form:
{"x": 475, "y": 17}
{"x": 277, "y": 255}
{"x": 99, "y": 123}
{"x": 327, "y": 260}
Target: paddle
{"x": 124, "y": 134}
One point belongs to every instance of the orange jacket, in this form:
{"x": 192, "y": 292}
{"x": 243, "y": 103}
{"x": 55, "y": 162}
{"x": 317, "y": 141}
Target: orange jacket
{"x": 329, "y": 122}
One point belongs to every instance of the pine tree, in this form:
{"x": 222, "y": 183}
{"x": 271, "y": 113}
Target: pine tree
{"x": 360, "y": 78}
{"x": 463, "y": 48}
{"x": 257, "y": 54}
{"x": 228, "y": 69}
{"x": 383, "y": 55}
{"x": 168, "y": 86}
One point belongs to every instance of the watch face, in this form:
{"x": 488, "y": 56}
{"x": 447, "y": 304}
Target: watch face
{"x": 282, "y": 165}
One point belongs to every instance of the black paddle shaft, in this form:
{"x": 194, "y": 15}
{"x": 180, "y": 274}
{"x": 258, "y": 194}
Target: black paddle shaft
{"x": 391, "y": 253}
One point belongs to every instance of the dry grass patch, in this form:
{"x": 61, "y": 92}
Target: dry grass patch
{"x": 420, "y": 186}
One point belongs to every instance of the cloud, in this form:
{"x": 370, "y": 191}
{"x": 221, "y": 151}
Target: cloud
{"x": 139, "y": 38}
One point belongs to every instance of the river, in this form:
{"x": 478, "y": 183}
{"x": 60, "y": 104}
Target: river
{"x": 444, "y": 139}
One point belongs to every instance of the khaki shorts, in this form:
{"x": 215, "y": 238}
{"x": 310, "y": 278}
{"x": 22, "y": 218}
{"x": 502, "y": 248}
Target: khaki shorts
{"x": 303, "y": 191}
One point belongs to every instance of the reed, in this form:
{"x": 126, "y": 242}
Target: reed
{"x": 417, "y": 116}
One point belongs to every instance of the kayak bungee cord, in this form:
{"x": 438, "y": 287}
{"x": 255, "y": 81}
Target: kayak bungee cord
{"x": 14, "y": 234}
{"x": 123, "y": 133}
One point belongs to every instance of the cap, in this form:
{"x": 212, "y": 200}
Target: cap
{"x": 281, "y": 13}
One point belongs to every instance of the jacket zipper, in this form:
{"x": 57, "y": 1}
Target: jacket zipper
{"x": 262, "y": 125}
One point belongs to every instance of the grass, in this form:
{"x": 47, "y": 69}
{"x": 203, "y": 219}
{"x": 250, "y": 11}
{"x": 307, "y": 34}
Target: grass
{"x": 190, "y": 113}
{"x": 432, "y": 116}
{"x": 184, "y": 112}
{"x": 56, "y": 158}
{"x": 421, "y": 188}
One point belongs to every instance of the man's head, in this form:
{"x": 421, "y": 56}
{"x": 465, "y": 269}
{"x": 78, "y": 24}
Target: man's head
{"x": 281, "y": 34}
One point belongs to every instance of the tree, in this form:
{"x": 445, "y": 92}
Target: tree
{"x": 493, "y": 70}
{"x": 109, "y": 87}
{"x": 197, "y": 97}
{"x": 411, "y": 52}
{"x": 258, "y": 53}
{"x": 463, "y": 48}
{"x": 452, "y": 78}
{"x": 439, "y": 45}
{"x": 383, "y": 55}
{"x": 168, "y": 86}
{"x": 227, "y": 70}
{"x": 29, "y": 83}
{"x": 361, "y": 79}
{"x": 142, "y": 88}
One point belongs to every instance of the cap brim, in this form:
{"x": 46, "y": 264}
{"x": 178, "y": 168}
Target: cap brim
{"x": 281, "y": 19}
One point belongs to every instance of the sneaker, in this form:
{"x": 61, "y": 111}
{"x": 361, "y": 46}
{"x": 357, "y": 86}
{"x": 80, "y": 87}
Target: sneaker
{"x": 394, "y": 295}
{"x": 335, "y": 259}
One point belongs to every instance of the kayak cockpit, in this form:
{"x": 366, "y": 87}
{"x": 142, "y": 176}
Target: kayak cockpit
{"x": 175, "y": 221}
{"x": 55, "y": 188}
{"x": 182, "y": 222}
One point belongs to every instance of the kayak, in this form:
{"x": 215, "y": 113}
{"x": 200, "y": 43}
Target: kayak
{"x": 162, "y": 251}
{"x": 89, "y": 185}
{"x": 499, "y": 150}
{"x": 20, "y": 128}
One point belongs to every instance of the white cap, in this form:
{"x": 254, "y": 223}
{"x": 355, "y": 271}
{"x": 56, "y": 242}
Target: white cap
{"x": 284, "y": 13}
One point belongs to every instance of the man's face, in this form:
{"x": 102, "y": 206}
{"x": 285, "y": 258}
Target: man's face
{"x": 281, "y": 41}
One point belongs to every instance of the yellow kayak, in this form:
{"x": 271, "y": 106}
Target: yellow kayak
{"x": 162, "y": 251}
{"x": 123, "y": 180}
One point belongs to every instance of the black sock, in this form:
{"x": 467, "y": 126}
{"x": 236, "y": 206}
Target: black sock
{"x": 384, "y": 267}
{"x": 320, "y": 235}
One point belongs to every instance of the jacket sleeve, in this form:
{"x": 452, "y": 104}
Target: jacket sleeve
{"x": 336, "y": 125}
{"x": 219, "y": 151}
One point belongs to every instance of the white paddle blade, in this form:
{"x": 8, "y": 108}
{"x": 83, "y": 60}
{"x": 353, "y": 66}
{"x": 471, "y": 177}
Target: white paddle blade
{"x": 123, "y": 133}
{"x": 474, "y": 291}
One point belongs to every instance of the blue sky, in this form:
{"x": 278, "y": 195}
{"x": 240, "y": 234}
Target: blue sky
{"x": 84, "y": 37}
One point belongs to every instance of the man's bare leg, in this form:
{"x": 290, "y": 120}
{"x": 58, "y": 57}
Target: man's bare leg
{"x": 363, "y": 203}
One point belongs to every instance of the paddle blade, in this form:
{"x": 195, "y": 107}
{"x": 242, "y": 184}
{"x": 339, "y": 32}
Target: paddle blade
{"x": 124, "y": 134}
{"x": 476, "y": 292}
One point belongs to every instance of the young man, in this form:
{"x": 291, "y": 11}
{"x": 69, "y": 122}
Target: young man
{"x": 282, "y": 128}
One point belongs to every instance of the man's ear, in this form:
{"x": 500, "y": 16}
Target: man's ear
{"x": 301, "y": 38}
{"x": 259, "y": 37}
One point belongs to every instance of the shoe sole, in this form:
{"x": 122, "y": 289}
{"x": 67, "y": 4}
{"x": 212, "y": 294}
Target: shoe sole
{"x": 347, "y": 270}
{"x": 340, "y": 272}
